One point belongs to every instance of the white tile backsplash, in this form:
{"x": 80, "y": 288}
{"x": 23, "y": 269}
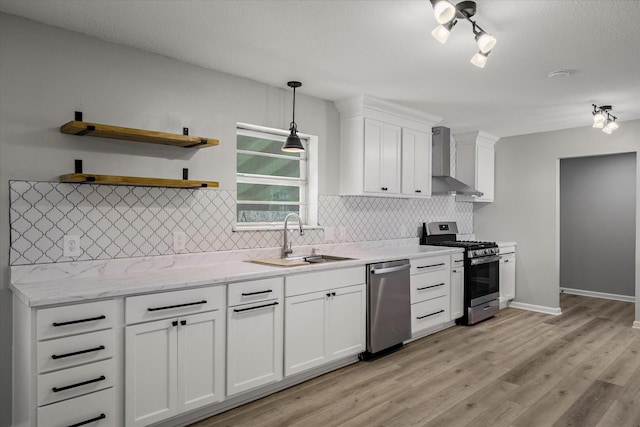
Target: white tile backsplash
{"x": 125, "y": 221}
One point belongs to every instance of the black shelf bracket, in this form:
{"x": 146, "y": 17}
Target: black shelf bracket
{"x": 78, "y": 166}
{"x": 185, "y": 173}
{"x": 78, "y": 116}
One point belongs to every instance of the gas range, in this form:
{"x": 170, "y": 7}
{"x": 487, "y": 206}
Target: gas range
{"x": 474, "y": 249}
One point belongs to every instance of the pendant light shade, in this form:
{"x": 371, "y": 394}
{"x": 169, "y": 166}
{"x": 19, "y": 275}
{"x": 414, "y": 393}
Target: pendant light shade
{"x": 442, "y": 31}
{"x": 443, "y": 10}
{"x": 479, "y": 59}
{"x": 485, "y": 41}
{"x": 610, "y": 126}
{"x": 293, "y": 143}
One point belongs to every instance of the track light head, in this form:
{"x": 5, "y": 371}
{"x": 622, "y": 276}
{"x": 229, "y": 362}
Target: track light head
{"x": 442, "y": 31}
{"x": 480, "y": 59}
{"x": 443, "y": 10}
{"x": 602, "y": 119}
{"x": 610, "y": 126}
{"x": 485, "y": 41}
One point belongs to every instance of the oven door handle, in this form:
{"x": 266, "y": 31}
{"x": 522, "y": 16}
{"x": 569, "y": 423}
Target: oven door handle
{"x": 485, "y": 260}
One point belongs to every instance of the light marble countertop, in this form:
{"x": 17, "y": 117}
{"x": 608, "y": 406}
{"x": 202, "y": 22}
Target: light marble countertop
{"x": 48, "y": 284}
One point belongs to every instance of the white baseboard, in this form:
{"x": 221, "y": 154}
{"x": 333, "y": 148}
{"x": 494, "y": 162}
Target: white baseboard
{"x": 538, "y": 308}
{"x": 636, "y": 324}
{"x": 593, "y": 294}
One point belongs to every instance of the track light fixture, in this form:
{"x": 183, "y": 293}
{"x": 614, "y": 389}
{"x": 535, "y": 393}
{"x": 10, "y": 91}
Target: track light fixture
{"x": 602, "y": 119}
{"x": 293, "y": 143}
{"x": 447, "y": 16}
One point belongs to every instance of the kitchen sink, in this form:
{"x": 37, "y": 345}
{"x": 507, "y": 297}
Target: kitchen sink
{"x": 302, "y": 260}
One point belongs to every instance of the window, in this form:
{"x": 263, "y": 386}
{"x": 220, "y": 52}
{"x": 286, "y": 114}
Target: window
{"x": 272, "y": 183}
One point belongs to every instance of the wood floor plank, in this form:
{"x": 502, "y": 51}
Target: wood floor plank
{"x": 519, "y": 368}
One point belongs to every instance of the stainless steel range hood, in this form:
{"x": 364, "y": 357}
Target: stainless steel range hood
{"x": 443, "y": 182}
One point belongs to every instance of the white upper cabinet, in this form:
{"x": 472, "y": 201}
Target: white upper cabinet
{"x": 416, "y": 163}
{"x": 475, "y": 164}
{"x": 385, "y": 148}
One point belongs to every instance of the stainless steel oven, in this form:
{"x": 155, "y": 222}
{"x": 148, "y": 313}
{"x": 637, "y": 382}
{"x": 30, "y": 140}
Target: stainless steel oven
{"x": 481, "y": 271}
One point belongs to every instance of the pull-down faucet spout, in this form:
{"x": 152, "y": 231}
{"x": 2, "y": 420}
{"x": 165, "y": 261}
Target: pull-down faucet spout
{"x": 286, "y": 246}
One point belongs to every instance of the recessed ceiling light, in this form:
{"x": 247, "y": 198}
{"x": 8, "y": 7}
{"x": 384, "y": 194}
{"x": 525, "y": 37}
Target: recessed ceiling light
{"x": 559, "y": 73}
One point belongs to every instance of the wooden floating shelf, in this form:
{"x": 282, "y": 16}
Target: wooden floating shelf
{"x": 84, "y": 178}
{"x": 115, "y": 132}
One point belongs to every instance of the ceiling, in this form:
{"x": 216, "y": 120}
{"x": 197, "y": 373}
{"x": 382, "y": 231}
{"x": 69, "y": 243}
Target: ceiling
{"x": 385, "y": 49}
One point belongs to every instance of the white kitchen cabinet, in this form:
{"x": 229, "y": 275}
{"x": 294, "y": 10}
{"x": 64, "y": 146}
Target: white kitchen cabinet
{"x": 374, "y": 135}
{"x": 507, "y": 274}
{"x": 175, "y": 364}
{"x": 475, "y": 164}
{"x": 430, "y": 282}
{"x": 324, "y": 318}
{"x": 382, "y": 151}
{"x": 457, "y": 286}
{"x": 255, "y": 335}
{"x": 416, "y": 163}
{"x": 66, "y": 357}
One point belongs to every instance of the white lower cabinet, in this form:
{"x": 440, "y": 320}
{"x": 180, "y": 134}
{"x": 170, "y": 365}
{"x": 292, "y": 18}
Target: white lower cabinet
{"x": 254, "y": 336}
{"x": 175, "y": 364}
{"x": 327, "y": 321}
{"x": 507, "y": 274}
{"x": 430, "y": 293}
{"x": 457, "y": 286}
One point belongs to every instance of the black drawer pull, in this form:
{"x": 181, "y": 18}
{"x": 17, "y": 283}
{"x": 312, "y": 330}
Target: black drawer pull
{"x": 248, "y": 294}
{"x": 204, "y": 301}
{"x": 433, "y": 265}
{"x": 429, "y": 315}
{"x": 76, "y": 353}
{"x": 67, "y": 387}
{"x": 92, "y": 420}
{"x": 73, "y": 322}
{"x": 432, "y": 286}
{"x": 384, "y": 188}
{"x": 418, "y": 191}
{"x": 238, "y": 310}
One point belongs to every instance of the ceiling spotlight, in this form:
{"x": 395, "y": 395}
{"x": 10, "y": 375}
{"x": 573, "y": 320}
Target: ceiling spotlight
{"x": 610, "y": 126}
{"x": 442, "y": 31}
{"x": 485, "y": 41}
{"x": 602, "y": 119}
{"x": 293, "y": 143}
{"x": 480, "y": 59}
{"x": 446, "y": 15}
{"x": 443, "y": 11}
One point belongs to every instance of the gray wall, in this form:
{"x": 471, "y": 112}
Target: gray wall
{"x": 597, "y": 223}
{"x": 526, "y": 202}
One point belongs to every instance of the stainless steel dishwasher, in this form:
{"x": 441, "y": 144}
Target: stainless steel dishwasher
{"x": 388, "y": 305}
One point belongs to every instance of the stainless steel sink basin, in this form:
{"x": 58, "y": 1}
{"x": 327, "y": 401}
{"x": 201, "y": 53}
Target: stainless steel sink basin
{"x": 316, "y": 259}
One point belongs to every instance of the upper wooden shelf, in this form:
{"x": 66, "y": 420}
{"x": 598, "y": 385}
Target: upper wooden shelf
{"x": 139, "y": 135}
{"x": 85, "y": 178}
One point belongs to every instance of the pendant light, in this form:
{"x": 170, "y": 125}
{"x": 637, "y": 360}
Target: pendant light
{"x": 293, "y": 143}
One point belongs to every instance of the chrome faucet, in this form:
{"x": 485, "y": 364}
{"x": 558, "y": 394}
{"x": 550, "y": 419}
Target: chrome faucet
{"x": 286, "y": 246}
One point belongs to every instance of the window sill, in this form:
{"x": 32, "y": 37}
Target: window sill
{"x": 239, "y": 228}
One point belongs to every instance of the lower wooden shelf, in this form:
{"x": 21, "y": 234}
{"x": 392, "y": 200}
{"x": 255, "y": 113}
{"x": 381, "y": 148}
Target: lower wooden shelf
{"x": 85, "y": 178}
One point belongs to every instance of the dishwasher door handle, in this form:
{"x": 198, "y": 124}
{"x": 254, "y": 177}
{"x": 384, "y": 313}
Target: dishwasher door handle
{"x": 390, "y": 269}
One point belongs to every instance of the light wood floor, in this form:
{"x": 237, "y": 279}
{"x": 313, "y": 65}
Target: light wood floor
{"x": 518, "y": 369}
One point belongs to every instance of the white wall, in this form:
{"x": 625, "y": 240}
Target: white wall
{"x": 526, "y": 202}
{"x": 47, "y": 73}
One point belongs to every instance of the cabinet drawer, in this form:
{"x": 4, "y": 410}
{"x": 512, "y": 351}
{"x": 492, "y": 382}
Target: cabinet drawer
{"x": 319, "y": 281}
{"x": 71, "y": 351}
{"x": 427, "y": 286}
{"x": 163, "y": 305}
{"x": 427, "y": 314}
{"x": 74, "y": 319}
{"x": 72, "y": 382}
{"x": 255, "y": 291}
{"x": 95, "y": 410}
{"x": 434, "y": 263}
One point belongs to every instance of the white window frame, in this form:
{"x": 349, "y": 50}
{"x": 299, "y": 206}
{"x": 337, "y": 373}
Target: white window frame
{"x": 308, "y": 191}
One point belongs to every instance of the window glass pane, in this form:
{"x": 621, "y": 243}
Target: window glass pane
{"x": 265, "y": 213}
{"x": 262, "y": 145}
{"x": 268, "y": 193}
{"x": 269, "y": 166}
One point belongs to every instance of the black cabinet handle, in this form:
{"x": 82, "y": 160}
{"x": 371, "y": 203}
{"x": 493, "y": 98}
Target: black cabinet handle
{"x": 328, "y": 294}
{"x": 174, "y": 323}
{"x": 248, "y": 294}
{"x": 73, "y": 322}
{"x": 506, "y": 260}
{"x": 177, "y": 306}
{"x": 92, "y": 420}
{"x": 238, "y": 310}
{"x": 432, "y": 265}
{"x": 418, "y": 191}
{"x": 76, "y": 353}
{"x": 429, "y": 315}
{"x": 384, "y": 188}
{"x": 432, "y": 286}
{"x": 183, "y": 322}
{"x": 67, "y": 387}
{"x": 333, "y": 294}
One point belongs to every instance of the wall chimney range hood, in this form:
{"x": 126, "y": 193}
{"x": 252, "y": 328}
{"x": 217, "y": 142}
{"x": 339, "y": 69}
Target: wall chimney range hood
{"x": 442, "y": 181}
